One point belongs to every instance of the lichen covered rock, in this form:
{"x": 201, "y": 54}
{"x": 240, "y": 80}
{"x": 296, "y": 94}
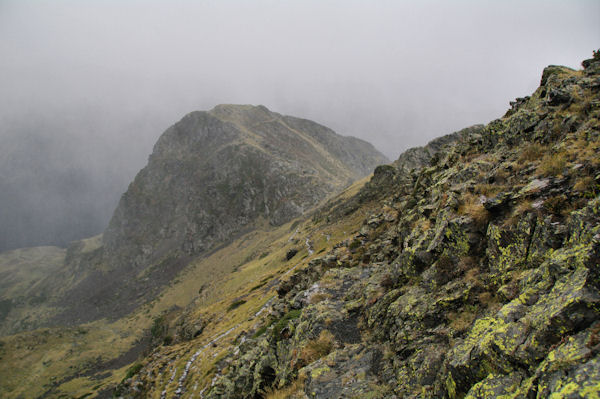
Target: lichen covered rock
{"x": 476, "y": 275}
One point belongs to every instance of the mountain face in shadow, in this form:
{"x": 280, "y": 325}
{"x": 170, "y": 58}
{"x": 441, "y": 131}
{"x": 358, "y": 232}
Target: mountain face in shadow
{"x": 214, "y": 174}
{"x": 211, "y": 177}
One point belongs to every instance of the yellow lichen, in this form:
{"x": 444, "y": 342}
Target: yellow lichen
{"x": 315, "y": 373}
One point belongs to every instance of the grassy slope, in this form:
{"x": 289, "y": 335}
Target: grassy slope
{"x": 23, "y": 269}
{"x": 87, "y": 359}
{"x": 23, "y": 292}
{"x": 169, "y": 364}
{"x": 33, "y": 280}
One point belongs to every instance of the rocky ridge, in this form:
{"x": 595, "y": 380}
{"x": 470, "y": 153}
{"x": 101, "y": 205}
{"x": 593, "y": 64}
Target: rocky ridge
{"x": 419, "y": 157}
{"x": 216, "y": 174}
{"x": 474, "y": 276}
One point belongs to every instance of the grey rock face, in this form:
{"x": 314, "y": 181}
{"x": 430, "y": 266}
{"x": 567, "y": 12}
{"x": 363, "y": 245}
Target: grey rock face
{"x": 213, "y": 174}
{"x": 419, "y": 157}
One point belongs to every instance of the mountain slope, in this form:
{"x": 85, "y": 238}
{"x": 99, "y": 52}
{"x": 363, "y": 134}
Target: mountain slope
{"x": 211, "y": 177}
{"x": 470, "y": 272}
{"x": 475, "y": 276}
{"x": 23, "y": 273}
{"x": 214, "y": 195}
{"x": 215, "y": 173}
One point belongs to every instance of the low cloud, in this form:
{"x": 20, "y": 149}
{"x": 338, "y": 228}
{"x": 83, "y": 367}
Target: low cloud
{"x": 96, "y": 82}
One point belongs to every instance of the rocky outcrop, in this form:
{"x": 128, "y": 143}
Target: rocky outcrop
{"x": 418, "y": 157}
{"x": 477, "y": 277}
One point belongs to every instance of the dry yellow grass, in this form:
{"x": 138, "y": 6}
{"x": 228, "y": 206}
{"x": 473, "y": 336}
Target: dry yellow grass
{"x": 489, "y": 190}
{"x": 519, "y": 209}
{"x": 317, "y": 348}
{"x": 523, "y": 206}
{"x": 532, "y": 152}
{"x": 319, "y": 296}
{"x": 471, "y": 206}
{"x": 292, "y": 391}
{"x": 461, "y": 321}
{"x": 502, "y": 175}
{"x": 552, "y": 165}
{"x": 422, "y": 224}
{"x": 584, "y": 184}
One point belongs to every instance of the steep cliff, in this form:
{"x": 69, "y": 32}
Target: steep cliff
{"x": 214, "y": 174}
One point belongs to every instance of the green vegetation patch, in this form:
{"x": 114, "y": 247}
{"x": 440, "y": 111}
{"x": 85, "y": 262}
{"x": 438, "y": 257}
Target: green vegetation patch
{"x": 260, "y": 331}
{"x": 283, "y": 322}
{"x": 133, "y": 370}
{"x": 5, "y": 307}
{"x": 158, "y": 327}
{"x": 236, "y": 304}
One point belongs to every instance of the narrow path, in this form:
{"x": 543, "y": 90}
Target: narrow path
{"x": 309, "y": 246}
{"x": 294, "y": 234}
{"x": 180, "y": 383}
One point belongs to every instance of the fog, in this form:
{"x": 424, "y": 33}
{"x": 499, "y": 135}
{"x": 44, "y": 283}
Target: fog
{"x": 86, "y": 87}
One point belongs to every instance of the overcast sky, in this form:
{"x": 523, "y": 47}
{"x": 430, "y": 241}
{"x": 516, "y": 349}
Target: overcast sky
{"x": 396, "y": 73}
{"x": 103, "y": 79}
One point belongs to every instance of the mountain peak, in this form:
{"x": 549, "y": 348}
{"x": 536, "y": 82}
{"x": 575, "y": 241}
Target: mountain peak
{"x": 227, "y": 111}
{"x": 212, "y": 176}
